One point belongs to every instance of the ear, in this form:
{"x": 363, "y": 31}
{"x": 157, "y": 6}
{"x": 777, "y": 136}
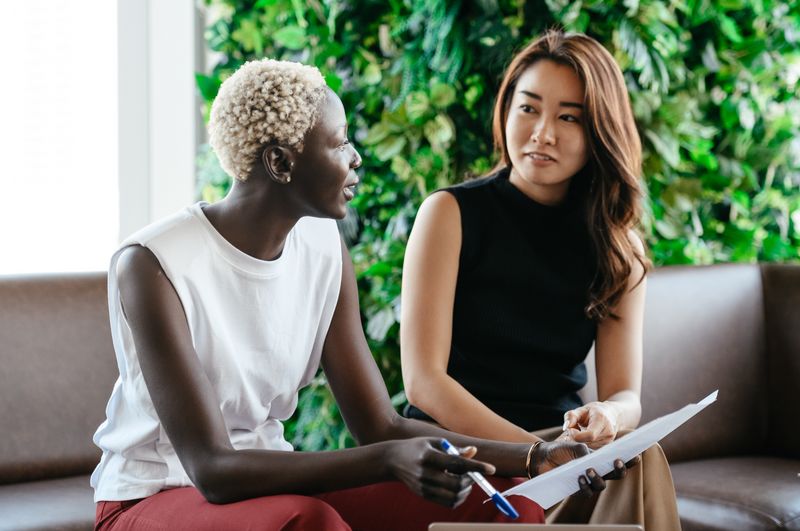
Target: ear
{"x": 278, "y": 163}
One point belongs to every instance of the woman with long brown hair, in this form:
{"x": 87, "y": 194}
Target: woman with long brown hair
{"x": 510, "y": 279}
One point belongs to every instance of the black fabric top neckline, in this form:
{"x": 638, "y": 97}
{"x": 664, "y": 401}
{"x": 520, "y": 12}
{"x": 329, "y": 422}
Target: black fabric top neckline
{"x": 509, "y": 192}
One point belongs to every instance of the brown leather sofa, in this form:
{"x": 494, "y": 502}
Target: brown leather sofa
{"x": 735, "y": 328}
{"x": 57, "y": 369}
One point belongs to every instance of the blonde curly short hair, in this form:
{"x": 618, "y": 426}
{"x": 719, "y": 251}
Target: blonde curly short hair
{"x": 264, "y": 102}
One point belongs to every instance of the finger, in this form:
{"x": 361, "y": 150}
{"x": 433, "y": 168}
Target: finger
{"x": 585, "y": 489}
{"x": 444, "y": 479}
{"x": 634, "y": 461}
{"x": 443, "y": 496}
{"x": 571, "y": 418}
{"x": 595, "y": 480}
{"x": 457, "y": 464}
{"x": 462, "y": 495}
{"x": 586, "y": 436}
{"x": 618, "y": 472}
{"x": 468, "y": 451}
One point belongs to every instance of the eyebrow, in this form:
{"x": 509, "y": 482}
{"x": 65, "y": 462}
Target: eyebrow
{"x": 339, "y": 128}
{"x": 563, "y": 103}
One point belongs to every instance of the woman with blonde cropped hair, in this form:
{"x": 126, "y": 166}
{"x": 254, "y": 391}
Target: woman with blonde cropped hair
{"x": 221, "y": 313}
{"x": 510, "y": 280}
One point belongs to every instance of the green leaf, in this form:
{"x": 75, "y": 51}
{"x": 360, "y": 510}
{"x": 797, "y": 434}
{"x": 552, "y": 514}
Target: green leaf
{"x": 728, "y": 28}
{"x": 666, "y": 144}
{"x": 380, "y": 323}
{"x": 399, "y": 399}
{"x": 390, "y": 147}
{"x": 417, "y": 105}
{"x": 249, "y": 34}
{"x": 669, "y": 228}
{"x": 709, "y": 57}
{"x": 442, "y": 95}
{"x": 209, "y": 86}
{"x": 706, "y": 159}
{"x": 774, "y": 248}
{"x": 292, "y": 37}
{"x": 376, "y": 133}
{"x": 372, "y": 74}
{"x": 333, "y": 81}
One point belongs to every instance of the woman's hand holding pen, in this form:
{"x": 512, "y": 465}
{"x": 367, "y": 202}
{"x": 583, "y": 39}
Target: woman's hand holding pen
{"x": 436, "y": 476}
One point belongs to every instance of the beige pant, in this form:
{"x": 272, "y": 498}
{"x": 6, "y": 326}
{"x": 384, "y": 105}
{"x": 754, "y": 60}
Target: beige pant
{"x": 645, "y": 497}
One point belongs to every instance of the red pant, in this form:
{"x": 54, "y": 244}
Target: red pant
{"x": 385, "y": 507}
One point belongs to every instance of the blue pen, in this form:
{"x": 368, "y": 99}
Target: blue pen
{"x": 501, "y": 502}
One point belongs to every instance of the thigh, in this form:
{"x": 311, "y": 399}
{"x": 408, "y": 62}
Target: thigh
{"x": 186, "y": 509}
{"x": 393, "y": 507}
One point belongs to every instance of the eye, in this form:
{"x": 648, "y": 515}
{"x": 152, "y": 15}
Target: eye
{"x": 569, "y": 118}
{"x": 527, "y": 108}
{"x": 344, "y": 144}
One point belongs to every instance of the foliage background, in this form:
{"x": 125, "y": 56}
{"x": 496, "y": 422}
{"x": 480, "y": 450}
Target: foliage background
{"x": 713, "y": 87}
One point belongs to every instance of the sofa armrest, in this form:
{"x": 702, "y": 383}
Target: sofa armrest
{"x": 782, "y": 319}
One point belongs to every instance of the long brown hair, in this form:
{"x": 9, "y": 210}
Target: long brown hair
{"x": 609, "y": 186}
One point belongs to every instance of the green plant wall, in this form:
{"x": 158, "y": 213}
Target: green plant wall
{"x": 712, "y": 83}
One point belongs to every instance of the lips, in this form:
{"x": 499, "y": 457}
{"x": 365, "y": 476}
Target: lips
{"x": 349, "y": 189}
{"x": 540, "y": 156}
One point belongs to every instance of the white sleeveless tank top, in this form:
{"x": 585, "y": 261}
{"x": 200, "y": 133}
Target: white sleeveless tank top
{"x": 258, "y": 328}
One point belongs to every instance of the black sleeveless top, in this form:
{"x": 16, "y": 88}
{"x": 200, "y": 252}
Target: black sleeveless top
{"x": 520, "y": 334}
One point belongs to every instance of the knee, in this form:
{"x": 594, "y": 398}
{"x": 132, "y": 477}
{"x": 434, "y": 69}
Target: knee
{"x": 311, "y": 513}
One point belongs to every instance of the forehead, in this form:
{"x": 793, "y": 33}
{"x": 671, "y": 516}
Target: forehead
{"x": 330, "y": 116}
{"x": 551, "y": 80}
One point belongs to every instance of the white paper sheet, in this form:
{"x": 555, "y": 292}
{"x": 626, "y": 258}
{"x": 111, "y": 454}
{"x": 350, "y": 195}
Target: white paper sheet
{"x": 553, "y": 486}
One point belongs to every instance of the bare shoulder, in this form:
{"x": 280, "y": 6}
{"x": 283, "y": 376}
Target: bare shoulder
{"x": 440, "y": 211}
{"x": 638, "y": 269}
{"x": 636, "y": 241}
{"x": 136, "y": 263}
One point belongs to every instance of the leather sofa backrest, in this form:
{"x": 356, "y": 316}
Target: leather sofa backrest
{"x": 782, "y": 316}
{"x": 704, "y": 330}
{"x": 57, "y": 370}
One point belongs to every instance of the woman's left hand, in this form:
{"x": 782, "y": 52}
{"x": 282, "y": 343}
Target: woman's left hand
{"x": 595, "y": 424}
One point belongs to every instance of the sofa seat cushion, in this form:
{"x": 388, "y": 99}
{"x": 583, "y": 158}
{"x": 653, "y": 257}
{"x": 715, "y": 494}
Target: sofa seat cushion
{"x": 738, "y": 493}
{"x": 65, "y": 504}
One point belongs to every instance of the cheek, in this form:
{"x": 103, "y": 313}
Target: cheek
{"x": 514, "y": 133}
{"x": 580, "y": 149}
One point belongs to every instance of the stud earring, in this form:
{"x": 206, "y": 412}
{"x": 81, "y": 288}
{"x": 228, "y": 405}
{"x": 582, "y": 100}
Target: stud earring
{"x": 288, "y": 179}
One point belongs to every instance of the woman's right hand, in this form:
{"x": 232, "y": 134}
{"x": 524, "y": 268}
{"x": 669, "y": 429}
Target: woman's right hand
{"x": 550, "y": 455}
{"x": 433, "y": 474}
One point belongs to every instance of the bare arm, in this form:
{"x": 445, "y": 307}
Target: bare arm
{"x": 364, "y": 402}
{"x": 429, "y": 284}
{"x": 618, "y": 357}
{"x": 187, "y": 407}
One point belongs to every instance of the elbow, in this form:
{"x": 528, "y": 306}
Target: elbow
{"x": 208, "y": 478}
{"x": 417, "y": 391}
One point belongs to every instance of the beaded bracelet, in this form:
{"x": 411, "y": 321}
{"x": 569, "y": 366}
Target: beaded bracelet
{"x": 528, "y": 460}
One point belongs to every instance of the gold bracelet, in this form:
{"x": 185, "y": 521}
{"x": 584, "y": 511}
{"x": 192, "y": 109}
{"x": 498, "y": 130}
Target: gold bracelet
{"x": 528, "y": 460}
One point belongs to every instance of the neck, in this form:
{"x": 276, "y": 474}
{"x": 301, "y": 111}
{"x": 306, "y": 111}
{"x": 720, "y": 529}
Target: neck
{"x": 545, "y": 194}
{"x": 254, "y": 217}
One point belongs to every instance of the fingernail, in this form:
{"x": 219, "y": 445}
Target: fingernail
{"x": 490, "y": 470}
{"x": 566, "y": 423}
{"x": 591, "y": 474}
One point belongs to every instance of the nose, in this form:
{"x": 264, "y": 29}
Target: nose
{"x": 544, "y": 131}
{"x": 356, "y": 159}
